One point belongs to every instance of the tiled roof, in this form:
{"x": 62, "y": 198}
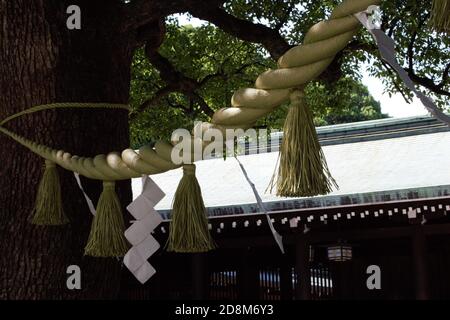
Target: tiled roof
{"x": 400, "y": 159}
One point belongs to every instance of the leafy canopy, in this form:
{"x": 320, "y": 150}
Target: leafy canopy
{"x": 219, "y": 63}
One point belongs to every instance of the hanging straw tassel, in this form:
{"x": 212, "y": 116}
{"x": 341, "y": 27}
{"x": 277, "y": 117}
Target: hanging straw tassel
{"x": 107, "y": 238}
{"x": 302, "y": 169}
{"x": 48, "y": 209}
{"x": 189, "y": 226}
{"x": 440, "y": 16}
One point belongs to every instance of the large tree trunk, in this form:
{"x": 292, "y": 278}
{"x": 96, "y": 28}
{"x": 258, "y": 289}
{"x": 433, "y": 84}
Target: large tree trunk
{"x": 41, "y": 62}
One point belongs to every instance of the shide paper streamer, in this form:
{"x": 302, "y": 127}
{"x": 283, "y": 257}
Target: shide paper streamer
{"x": 278, "y": 238}
{"x": 144, "y": 245}
{"x": 386, "y": 46}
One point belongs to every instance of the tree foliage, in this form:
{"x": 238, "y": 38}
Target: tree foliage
{"x": 219, "y": 62}
{"x": 211, "y": 62}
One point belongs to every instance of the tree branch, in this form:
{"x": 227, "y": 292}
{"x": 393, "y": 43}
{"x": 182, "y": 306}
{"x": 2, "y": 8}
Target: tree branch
{"x": 445, "y": 76}
{"x": 242, "y": 29}
{"x": 286, "y": 15}
{"x": 396, "y": 85}
{"x": 174, "y": 79}
{"x": 140, "y": 12}
{"x": 424, "y": 81}
{"x": 178, "y": 106}
{"x": 202, "y": 104}
{"x": 161, "y": 93}
{"x": 428, "y": 83}
{"x": 356, "y": 45}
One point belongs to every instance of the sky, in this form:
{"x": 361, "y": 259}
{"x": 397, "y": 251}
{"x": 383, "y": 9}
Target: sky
{"x": 395, "y": 106}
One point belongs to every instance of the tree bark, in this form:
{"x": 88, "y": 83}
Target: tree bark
{"x": 41, "y": 62}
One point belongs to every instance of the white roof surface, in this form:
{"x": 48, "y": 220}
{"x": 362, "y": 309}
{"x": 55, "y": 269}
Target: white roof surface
{"x": 400, "y": 163}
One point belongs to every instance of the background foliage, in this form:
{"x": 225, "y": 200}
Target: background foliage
{"x": 220, "y": 63}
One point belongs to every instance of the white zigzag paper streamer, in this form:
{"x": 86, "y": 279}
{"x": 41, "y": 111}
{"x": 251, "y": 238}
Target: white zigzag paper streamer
{"x": 144, "y": 245}
{"x": 386, "y": 47}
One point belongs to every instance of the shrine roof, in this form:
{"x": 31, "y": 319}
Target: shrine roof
{"x": 372, "y": 161}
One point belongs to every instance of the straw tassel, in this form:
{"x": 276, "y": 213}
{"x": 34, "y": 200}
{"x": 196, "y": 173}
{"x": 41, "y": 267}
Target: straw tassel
{"x": 107, "y": 238}
{"x": 440, "y": 16}
{"x": 48, "y": 209}
{"x": 302, "y": 170}
{"x": 189, "y": 226}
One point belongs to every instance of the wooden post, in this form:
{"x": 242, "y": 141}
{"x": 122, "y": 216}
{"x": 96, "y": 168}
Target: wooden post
{"x": 303, "y": 289}
{"x": 420, "y": 264}
{"x": 199, "y": 276}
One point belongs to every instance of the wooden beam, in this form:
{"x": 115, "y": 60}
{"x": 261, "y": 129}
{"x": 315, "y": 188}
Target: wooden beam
{"x": 315, "y": 237}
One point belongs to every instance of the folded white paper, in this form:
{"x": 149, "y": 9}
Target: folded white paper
{"x": 139, "y": 233}
{"x": 151, "y": 191}
{"x": 147, "y": 247}
{"x": 386, "y": 47}
{"x": 140, "y": 207}
{"x": 88, "y": 200}
{"x": 145, "y": 272}
{"x": 133, "y": 260}
{"x": 277, "y": 237}
{"x": 140, "y": 229}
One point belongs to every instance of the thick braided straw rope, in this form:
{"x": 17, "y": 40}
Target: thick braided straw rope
{"x": 296, "y": 67}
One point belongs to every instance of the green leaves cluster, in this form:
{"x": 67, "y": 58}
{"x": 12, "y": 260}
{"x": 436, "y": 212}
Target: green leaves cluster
{"x": 221, "y": 63}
